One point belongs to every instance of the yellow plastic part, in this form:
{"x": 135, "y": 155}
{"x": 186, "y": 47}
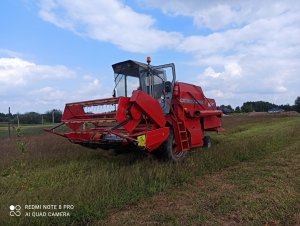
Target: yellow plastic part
{"x": 141, "y": 141}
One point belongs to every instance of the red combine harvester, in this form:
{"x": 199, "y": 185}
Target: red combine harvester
{"x": 149, "y": 110}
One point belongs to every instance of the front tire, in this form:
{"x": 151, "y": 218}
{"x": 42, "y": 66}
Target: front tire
{"x": 207, "y": 142}
{"x": 169, "y": 151}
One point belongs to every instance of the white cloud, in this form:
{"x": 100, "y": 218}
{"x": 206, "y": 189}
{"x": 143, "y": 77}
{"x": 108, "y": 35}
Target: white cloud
{"x": 216, "y": 93}
{"x": 211, "y": 17}
{"x": 226, "y": 14}
{"x": 233, "y": 70}
{"x": 26, "y": 85}
{"x": 252, "y": 52}
{"x": 281, "y": 89}
{"x": 16, "y": 72}
{"x": 211, "y": 14}
{"x": 10, "y": 53}
{"x": 224, "y": 80}
{"x": 91, "y": 87}
{"x": 210, "y": 72}
{"x": 110, "y": 21}
{"x": 48, "y": 94}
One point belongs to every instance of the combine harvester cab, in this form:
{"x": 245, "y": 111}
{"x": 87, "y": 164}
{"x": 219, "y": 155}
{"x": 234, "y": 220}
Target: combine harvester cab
{"x": 149, "y": 110}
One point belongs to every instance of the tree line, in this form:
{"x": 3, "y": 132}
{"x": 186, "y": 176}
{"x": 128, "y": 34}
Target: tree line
{"x": 32, "y": 117}
{"x": 260, "y": 106}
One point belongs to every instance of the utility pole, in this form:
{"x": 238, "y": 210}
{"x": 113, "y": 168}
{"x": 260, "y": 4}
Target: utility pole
{"x": 53, "y": 116}
{"x": 42, "y": 119}
{"x": 9, "y": 122}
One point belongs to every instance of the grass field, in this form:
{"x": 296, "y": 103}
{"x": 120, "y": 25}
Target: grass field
{"x": 27, "y": 130}
{"x": 249, "y": 177}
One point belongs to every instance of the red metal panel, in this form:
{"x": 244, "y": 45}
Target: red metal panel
{"x": 131, "y": 125}
{"x": 211, "y": 113}
{"x": 135, "y": 112}
{"x": 121, "y": 115}
{"x": 196, "y": 137}
{"x": 194, "y": 128}
{"x": 212, "y": 104}
{"x": 123, "y": 106}
{"x": 149, "y": 107}
{"x": 212, "y": 122}
{"x": 71, "y": 112}
{"x": 155, "y": 138}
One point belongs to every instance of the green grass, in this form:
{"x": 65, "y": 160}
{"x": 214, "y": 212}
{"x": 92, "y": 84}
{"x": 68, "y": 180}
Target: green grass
{"x": 27, "y": 129}
{"x": 98, "y": 183}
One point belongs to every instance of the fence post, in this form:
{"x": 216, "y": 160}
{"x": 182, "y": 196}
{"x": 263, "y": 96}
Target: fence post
{"x": 9, "y": 122}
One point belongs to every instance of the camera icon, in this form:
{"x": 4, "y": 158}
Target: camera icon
{"x": 15, "y": 210}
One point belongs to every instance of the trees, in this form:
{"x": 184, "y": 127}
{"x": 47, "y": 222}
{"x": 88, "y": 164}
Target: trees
{"x": 258, "y": 106}
{"x": 237, "y": 109}
{"x": 247, "y": 107}
{"x": 3, "y": 117}
{"x": 297, "y": 104}
{"x": 30, "y": 118}
{"x": 226, "y": 109}
{"x": 49, "y": 114}
{"x": 263, "y": 106}
{"x": 33, "y": 117}
{"x": 286, "y": 107}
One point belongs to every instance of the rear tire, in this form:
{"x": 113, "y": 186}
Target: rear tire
{"x": 207, "y": 142}
{"x": 168, "y": 150}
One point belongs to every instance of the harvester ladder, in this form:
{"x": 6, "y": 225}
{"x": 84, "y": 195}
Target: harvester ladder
{"x": 183, "y": 137}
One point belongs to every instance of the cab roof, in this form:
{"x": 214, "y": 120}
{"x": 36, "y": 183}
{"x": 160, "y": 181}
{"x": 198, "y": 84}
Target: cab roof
{"x": 129, "y": 67}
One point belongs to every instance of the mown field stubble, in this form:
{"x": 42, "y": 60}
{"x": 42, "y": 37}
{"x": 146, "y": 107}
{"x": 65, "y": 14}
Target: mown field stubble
{"x": 249, "y": 177}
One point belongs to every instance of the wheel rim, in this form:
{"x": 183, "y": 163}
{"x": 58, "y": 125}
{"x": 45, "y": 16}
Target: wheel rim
{"x": 209, "y": 144}
{"x": 176, "y": 153}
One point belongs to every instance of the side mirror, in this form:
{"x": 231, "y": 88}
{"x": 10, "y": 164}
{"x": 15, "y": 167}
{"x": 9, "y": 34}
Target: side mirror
{"x": 168, "y": 86}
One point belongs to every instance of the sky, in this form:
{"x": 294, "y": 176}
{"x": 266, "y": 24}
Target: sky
{"x": 57, "y": 51}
